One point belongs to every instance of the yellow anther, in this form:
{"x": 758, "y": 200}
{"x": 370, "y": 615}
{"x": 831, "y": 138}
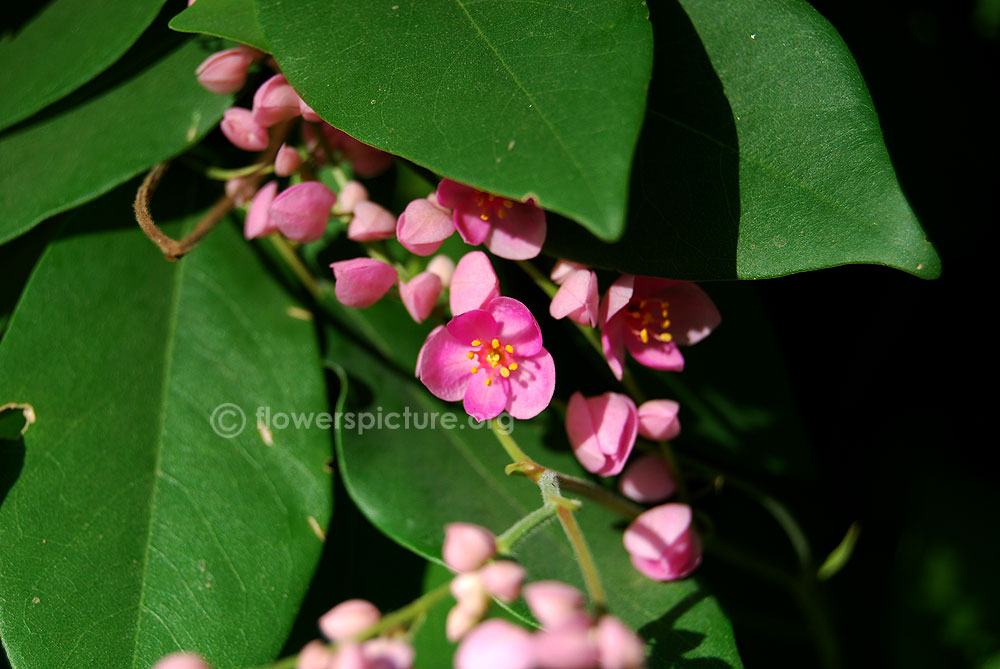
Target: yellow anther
{"x": 488, "y": 382}
{"x": 663, "y": 312}
{"x": 484, "y": 216}
{"x": 500, "y": 213}
{"x": 508, "y": 204}
{"x": 665, "y": 324}
{"x": 475, "y": 370}
{"x": 504, "y": 372}
{"x": 508, "y": 348}
{"x": 496, "y": 343}
{"x": 494, "y": 363}
{"x": 476, "y": 342}
{"x": 470, "y": 355}
{"x": 664, "y": 337}
{"x": 512, "y": 366}
{"x": 644, "y": 335}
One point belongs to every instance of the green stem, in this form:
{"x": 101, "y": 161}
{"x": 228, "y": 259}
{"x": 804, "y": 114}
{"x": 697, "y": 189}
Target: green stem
{"x": 602, "y": 496}
{"x": 584, "y": 558}
{"x": 222, "y": 174}
{"x": 542, "y": 281}
{"x": 295, "y": 264}
{"x": 520, "y": 459}
{"x": 505, "y": 542}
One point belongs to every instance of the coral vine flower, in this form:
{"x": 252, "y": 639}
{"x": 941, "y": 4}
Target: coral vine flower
{"x": 492, "y": 359}
{"x": 662, "y": 543}
{"x": 602, "y": 431}
{"x": 651, "y": 318}
{"x": 509, "y": 229}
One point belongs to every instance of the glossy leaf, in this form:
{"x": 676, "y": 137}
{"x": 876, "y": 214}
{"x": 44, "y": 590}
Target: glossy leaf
{"x": 443, "y": 475}
{"x": 134, "y": 529}
{"x": 231, "y": 19}
{"x": 761, "y": 154}
{"x": 64, "y": 160}
{"x": 65, "y": 45}
{"x": 524, "y": 99}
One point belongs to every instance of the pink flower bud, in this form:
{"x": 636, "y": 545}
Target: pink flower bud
{"x": 301, "y": 212}
{"x": 383, "y": 653}
{"x": 307, "y": 112}
{"x": 348, "y": 619}
{"x": 275, "y": 101}
{"x": 662, "y": 543}
{"x": 554, "y": 603}
{"x": 225, "y": 72}
{"x": 350, "y": 655}
{"x": 602, "y": 431}
{"x": 443, "y": 267}
{"x": 496, "y": 644}
{"x": 647, "y": 480}
{"x": 239, "y": 189}
{"x": 371, "y": 222}
{"x": 420, "y": 294}
{"x": 620, "y": 647}
{"x": 473, "y": 284}
{"x": 467, "y": 546}
{"x": 566, "y": 648}
{"x": 240, "y": 128}
{"x": 314, "y": 655}
{"x": 422, "y": 227}
{"x": 503, "y": 580}
{"x": 562, "y": 270}
{"x": 287, "y": 161}
{"x": 350, "y": 195}
{"x": 258, "y": 221}
{"x": 658, "y": 420}
{"x": 577, "y": 298}
{"x": 182, "y": 661}
{"x": 362, "y": 282}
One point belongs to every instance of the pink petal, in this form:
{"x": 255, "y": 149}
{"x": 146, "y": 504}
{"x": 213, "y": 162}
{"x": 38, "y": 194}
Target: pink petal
{"x": 496, "y": 644}
{"x": 350, "y": 195}
{"x": 577, "y": 298}
{"x": 444, "y": 267}
{"x": 275, "y": 101}
{"x": 473, "y": 284}
{"x": 662, "y": 543}
{"x": 486, "y": 401}
{"x": 258, "y": 222}
{"x": 503, "y": 579}
{"x": 467, "y": 546}
{"x": 470, "y": 226}
{"x": 693, "y": 315}
{"x": 516, "y": 326}
{"x": 617, "y": 297}
{"x": 472, "y": 325}
{"x": 613, "y": 345}
{"x": 301, "y": 211}
{"x": 443, "y": 367}
{"x": 371, "y": 222}
{"x": 562, "y": 269}
{"x": 182, "y": 661}
{"x": 383, "y": 653}
{"x": 602, "y": 431}
{"x": 366, "y": 160}
{"x": 531, "y": 385}
{"x": 656, "y": 354}
{"x": 287, "y": 161}
{"x": 566, "y": 648}
{"x": 420, "y": 294}
{"x": 647, "y": 480}
{"x": 362, "y": 282}
{"x": 348, "y": 619}
{"x": 422, "y": 227}
{"x": 240, "y": 128}
{"x": 226, "y": 71}
{"x": 451, "y": 193}
{"x": 307, "y": 112}
{"x": 658, "y": 420}
{"x": 620, "y": 647}
{"x": 553, "y": 603}
{"x": 519, "y": 235}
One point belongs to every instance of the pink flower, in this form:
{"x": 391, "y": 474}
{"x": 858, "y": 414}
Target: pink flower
{"x": 492, "y": 359}
{"x": 422, "y": 227}
{"x": 275, "y": 101}
{"x": 420, "y": 294}
{"x": 301, "y": 212}
{"x": 371, "y": 221}
{"x": 473, "y": 283}
{"x": 226, "y": 71}
{"x": 658, "y": 420}
{"x": 662, "y": 543}
{"x": 620, "y": 647}
{"x": 348, "y": 619}
{"x": 652, "y": 317}
{"x": 514, "y": 230}
{"x": 258, "y": 222}
{"x": 647, "y": 480}
{"x": 562, "y": 269}
{"x": 443, "y": 267}
{"x": 307, "y": 112}
{"x": 467, "y": 546}
{"x": 555, "y": 604}
{"x": 367, "y": 161}
{"x": 577, "y": 298}
{"x": 240, "y": 128}
{"x": 503, "y": 579}
{"x": 496, "y": 644}
{"x": 350, "y": 196}
{"x": 361, "y": 282}
{"x": 602, "y": 431}
{"x": 286, "y": 161}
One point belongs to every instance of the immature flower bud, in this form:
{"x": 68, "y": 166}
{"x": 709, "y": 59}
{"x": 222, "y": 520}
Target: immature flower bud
{"x": 287, "y": 161}
{"x": 496, "y": 644}
{"x": 562, "y": 270}
{"x": 647, "y": 480}
{"x": 422, "y": 227}
{"x": 658, "y": 420}
{"x": 620, "y": 647}
{"x": 467, "y": 546}
{"x": 258, "y": 221}
{"x": 307, "y": 112}
{"x": 240, "y": 128}
{"x": 348, "y": 619}
{"x": 371, "y": 222}
{"x": 443, "y": 267}
{"x": 362, "y": 282}
{"x": 662, "y": 543}
{"x": 314, "y": 655}
{"x": 503, "y": 579}
{"x": 182, "y": 661}
{"x": 554, "y": 603}
{"x": 602, "y": 431}
{"x": 383, "y": 653}
{"x": 420, "y": 294}
{"x": 577, "y": 298}
{"x": 350, "y": 195}
{"x": 225, "y": 72}
{"x": 568, "y": 647}
{"x": 301, "y": 212}
{"x": 275, "y": 101}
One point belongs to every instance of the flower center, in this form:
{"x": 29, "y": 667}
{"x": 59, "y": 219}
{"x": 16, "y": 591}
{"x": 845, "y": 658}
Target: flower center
{"x": 491, "y": 205}
{"x": 492, "y": 358}
{"x": 647, "y": 318}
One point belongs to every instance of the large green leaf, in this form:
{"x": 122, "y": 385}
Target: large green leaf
{"x": 88, "y": 149}
{"x": 761, "y": 154}
{"x": 517, "y": 98}
{"x": 231, "y": 19}
{"x": 134, "y": 529}
{"x": 62, "y": 47}
{"x": 411, "y": 482}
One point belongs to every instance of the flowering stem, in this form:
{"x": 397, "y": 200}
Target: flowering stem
{"x": 295, "y": 264}
{"x": 222, "y": 174}
{"x": 520, "y": 459}
{"x": 602, "y": 496}
{"x": 505, "y": 542}
{"x": 583, "y": 557}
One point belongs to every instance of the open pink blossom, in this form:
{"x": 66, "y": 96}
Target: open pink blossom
{"x": 509, "y": 229}
{"x": 662, "y": 543}
{"x": 275, "y": 101}
{"x": 492, "y": 359}
{"x": 361, "y": 282}
{"x": 258, "y": 222}
{"x": 651, "y": 317}
{"x": 420, "y": 294}
{"x": 240, "y": 128}
{"x": 473, "y": 283}
{"x": 301, "y": 211}
{"x": 423, "y": 227}
{"x": 602, "y": 431}
{"x": 577, "y": 298}
{"x": 225, "y": 72}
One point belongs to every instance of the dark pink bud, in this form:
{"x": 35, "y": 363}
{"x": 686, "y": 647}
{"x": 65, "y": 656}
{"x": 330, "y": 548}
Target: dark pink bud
{"x": 662, "y": 543}
{"x": 258, "y": 222}
{"x": 467, "y": 546}
{"x": 226, "y": 71}
{"x": 275, "y": 101}
{"x": 240, "y": 128}
{"x": 602, "y": 431}
{"x": 362, "y": 282}
{"x": 301, "y": 212}
{"x": 287, "y": 161}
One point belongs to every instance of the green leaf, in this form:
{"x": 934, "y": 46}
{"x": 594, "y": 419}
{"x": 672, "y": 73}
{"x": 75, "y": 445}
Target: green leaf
{"x": 134, "y": 529}
{"x": 64, "y": 160}
{"x": 411, "y": 482}
{"x": 520, "y": 99}
{"x": 62, "y": 47}
{"x": 230, "y": 19}
{"x": 761, "y": 155}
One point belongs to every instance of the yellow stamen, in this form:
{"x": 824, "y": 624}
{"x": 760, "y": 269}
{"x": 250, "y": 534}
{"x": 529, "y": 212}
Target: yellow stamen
{"x": 475, "y": 370}
{"x": 488, "y": 382}
{"x": 500, "y": 213}
{"x": 484, "y": 216}
{"x": 494, "y": 363}
{"x": 476, "y": 342}
{"x": 504, "y": 372}
{"x": 470, "y": 355}
{"x": 512, "y": 366}
{"x": 664, "y": 337}
{"x": 508, "y": 204}
{"x": 665, "y": 324}
{"x": 509, "y": 348}
{"x": 496, "y": 343}
{"x": 644, "y": 335}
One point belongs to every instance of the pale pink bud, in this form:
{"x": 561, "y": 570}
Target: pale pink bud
{"x": 602, "y": 431}
{"x": 420, "y": 294}
{"x": 371, "y": 222}
{"x": 240, "y": 128}
{"x": 383, "y": 653}
{"x": 307, "y": 112}
{"x": 314, "y": 655}
{"x": 240, "y": 190}
{"x": 662, "y": 544}
{"x": 503, "y": 580}
{"x": 619, "y": 646}
{"x": 562, "y": 270}
{"x": 443, "y": 267}
{"x": 226, "y": 71}
{"x": 422, "y": 227}
{"x": 647, "y": 480}
{"x": 467, "y": 546}
{"x": 658, "y": 420}
{"x": 275, "y": 101}
{"x": 301, "y": 212}
{"x": 433, "y": 199}
{"x": 566, "y": 648}
{"x": 473, "y": 284}
{"x": 350, "y": 655}
{"x": 460, "y": 620}
{"x": 496, "y": 644}
{"x": 554, "y": 603}
{"x": 350, "y": 195}
{"x": 287, "y": 161}
{"x": 348, "y": 619}
{"x": 577, "y": 298}
{"x": 258, "y": 221}
{"x": 362, "y": 282}
{"x": 182, "y": 661}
